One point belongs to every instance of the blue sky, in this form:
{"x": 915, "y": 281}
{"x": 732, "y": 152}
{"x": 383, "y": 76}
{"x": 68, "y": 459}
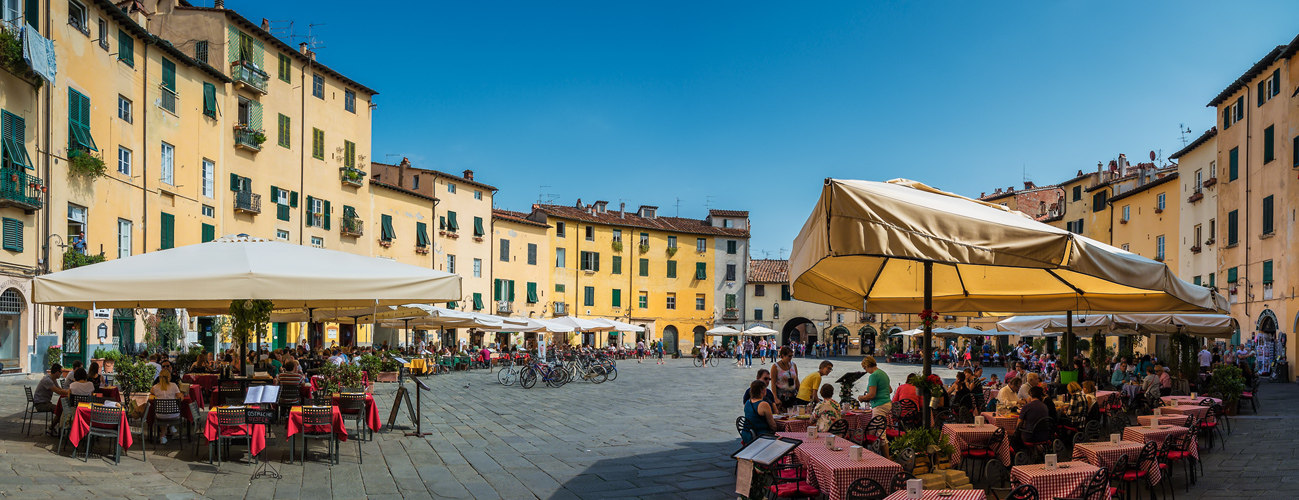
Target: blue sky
{"x": 750, "y": 105}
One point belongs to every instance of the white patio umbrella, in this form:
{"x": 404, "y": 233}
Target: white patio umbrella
{"x": 759, "y": 331}
{"x": 1118, "y": 324}
{"x": 619, "y": 326}
{"x": 586, "y": 325}
{"x": 722, "y": 330}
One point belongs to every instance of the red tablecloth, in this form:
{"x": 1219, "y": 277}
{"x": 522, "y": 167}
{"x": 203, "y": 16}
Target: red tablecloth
{"x": 304, "y": 393}
{"x": 934, "y": 495}
{"x": 372, "y": 411}
{"x": 258, "y": 432}
{"x": 1104, "y": 454}
{"x": 834, "y": 471}
{"x": 184, "y": 411}
{"x": 1158, "y": 435}
{"x": 207, "y": 381}
{"x": 196, "y": 395}
{"x": 295, "y": 424}
{"x": 1010, "y": 423}
{"x": 81, "y": 427}
{"x": 1068, "y": 482}
{"x": 961, "y": 435}
{"x": 110, "y": 392}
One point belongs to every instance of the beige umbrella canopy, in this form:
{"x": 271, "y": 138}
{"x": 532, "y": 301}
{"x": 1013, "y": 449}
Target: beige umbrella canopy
{"x": 204, "y": 278}
{"x": 865, "y": 245}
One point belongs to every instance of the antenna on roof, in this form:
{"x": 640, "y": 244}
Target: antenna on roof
{"x": 547, "y": 198}
{"x": 782, "y": 253}
{"x": 678, "y": 207}
{"x": 282, "y": 29}
{"x": 708, "y": 202}
{"x": 1183, "y": 129}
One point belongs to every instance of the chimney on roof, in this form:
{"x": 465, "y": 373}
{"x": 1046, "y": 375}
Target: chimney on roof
{"x": 622, "y": 210}
{"x": 220, "y": 4}
{"x": 998, "y": 191}
{"x": 469, "y": 175}
{"x": 266, "y": 24}
{"x": 1010, "y": 189}
{"x": 405, "y": 162}
{"x": 983, "y": 194}
{"x": 302, "y": 47}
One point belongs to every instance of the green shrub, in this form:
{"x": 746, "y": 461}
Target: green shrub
{"x": 86, "y": 164}
{"x": 53, "y": 355}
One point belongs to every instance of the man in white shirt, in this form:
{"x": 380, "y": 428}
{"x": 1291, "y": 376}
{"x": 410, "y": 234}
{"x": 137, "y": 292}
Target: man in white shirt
{"x": 1029, "y": 382}
{"x": 157, "y": 368}
{"x": 1009, "y": 395}
{"x": 1206, "y": 358}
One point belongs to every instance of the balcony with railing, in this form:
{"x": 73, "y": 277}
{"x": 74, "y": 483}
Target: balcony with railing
{"x": 352, "y": 176}
{"x": 11, "y": 39}
{"x": 504, "y": 307}
{"x": 731, "y": 314}
{"x": 244, "y": 73}
{"x": 351, "y": 226}
{"x": 169, "y": 98}
{"x": 21, "y": 190}
{"x": 248, "y": 202}
{"x": 248, "y": 138}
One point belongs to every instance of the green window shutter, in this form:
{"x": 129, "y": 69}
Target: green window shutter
{"x": 1276, "y": 81}
{"x": 14, "y": 134}
{"x": 286, "y": 68}
{"x": 33, "y": 13}
{"x": 209, "y": 100}
{"x": 1262, "y": 96}
{"x": 1269, "y": 152}
{"x": 672, "y": 268}
{"x": 700, "y": 271}
{"x": 275, "y": 194}
{"x": 349, "y": 154}
{"x": 388, "y": 232}
{"x": 1268, "y": 219}
{"x": 284, "y": 134}
{"x": 730, "y": 301}
{"x": 784, "y": 292}
{"x": 282, "y": 212}
{"x": 478, "y": 301}
{"x": 730, "y": 247}
{"x": 509, "y": 290}
{"x": 451, "y": 305}
{"x": 532, "y": 293}
{"x": 167, "y": 225}
{"x": 1226, "y": 117}
{"x": 588, "y": 296}
{"x": 169, "y": 74}
{"x": 644, "y": 267}
{"x": 255, "y": 115}
{"x": 442, "y": 223}
{"x": 79, "y": 122}
{"x": 559, "y": 288}
{"x": 293, "y": 199}
{"x": 617, "y": 297}
{"x": 421, "y": 234}
{"x": 311, "y": 203}
{"x": 329, "y": 210}
{"x": 317, "y": 144}
{"x": 1233, "y": 162}
{"x": 617, "y": 264}
{"x": 1267, "y": 271}
{"x": 478, "y": 226}
{"x": 125, "y": 48}
{"x": 233, "y": 43}
{"x": 209, "y": 233}
{"x": 496, "y": 289}
{"x": 234, "y": 182}
{"x": 1196, "y": 280}
{"x": 1231, "y": 227}
{"x": 451, "y": 222}
{"x": 1212, "y": 281}
{"x": 1231, "y": 275}
{"x": 13, "y": 234}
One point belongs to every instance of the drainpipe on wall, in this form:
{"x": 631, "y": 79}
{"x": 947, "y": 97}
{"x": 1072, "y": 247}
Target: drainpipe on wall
{"x": 144, "y": 181}
{"x": 42, "y": 320}
{"x": 1245, "y": 206}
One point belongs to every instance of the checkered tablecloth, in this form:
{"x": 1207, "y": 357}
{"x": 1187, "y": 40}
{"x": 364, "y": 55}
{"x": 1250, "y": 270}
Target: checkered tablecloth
{"x": 934, "y": 495}
{"x": 1177, "y": 419}
{"x": 1158, "y": 435}
{"x": 1104, "y": 454}
{"x": 795, "y": 425}
{"x": 990, "y": 393}
{"x": 1010, "y": 423}
{"x": 834, "y": 471}
{"x": 1199, "y": 411}
{"x": 961, "y": 435}
{"x": 1104, "y": 397}
{"x": 1187, "y": 400}
{"x": 857, "y": 419}
{"x": 1068, "y": 482}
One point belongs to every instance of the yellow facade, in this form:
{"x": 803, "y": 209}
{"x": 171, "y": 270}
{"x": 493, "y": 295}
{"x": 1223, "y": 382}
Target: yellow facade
{"x": 461, "y": 242}
{"x": 1147, "y": 220}
{"x": 521, "y": 261}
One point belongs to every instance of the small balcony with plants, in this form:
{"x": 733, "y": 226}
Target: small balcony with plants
{"x": 20, "y": 189}
{"x": 248, "y": 202}
{"x": 247, "y": 74}
{"x": 249, "y": 138}
{"x": 11, "y": 52}
{"x": 351, "y": 176}
{"x": 351, "y": 226}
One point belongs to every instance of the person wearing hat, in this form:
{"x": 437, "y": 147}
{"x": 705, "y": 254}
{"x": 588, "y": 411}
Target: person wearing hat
{"x": 1150, "y": 385}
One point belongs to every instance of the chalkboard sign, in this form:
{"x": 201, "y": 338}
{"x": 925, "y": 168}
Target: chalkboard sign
{"x": 258, "y": 416}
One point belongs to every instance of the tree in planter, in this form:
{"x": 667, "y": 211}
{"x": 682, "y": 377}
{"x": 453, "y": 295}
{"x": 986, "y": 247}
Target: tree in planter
{"x": 338, "y": 377}
{"x": 246, "y": 318}
{"x": 162, "y": 330}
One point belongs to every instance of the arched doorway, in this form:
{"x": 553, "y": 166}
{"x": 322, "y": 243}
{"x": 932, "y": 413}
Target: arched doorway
{"x": 836, "y": 340}
{"x": 866, "y": 335}
{"x": 670, "y": 339}
{"x": 11, "y": 324}
{"x": 797, "y": 329}
{"x": 699, "y": 335}
{"x": 1266, "y": 343}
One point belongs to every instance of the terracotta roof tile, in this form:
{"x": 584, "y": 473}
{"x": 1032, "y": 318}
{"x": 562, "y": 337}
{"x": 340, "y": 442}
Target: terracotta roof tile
{"x": 768, "y": 271}
{"x": 630, "y": 219}
{"x": 729, "y": 213}
{"x": 517, "y": 217}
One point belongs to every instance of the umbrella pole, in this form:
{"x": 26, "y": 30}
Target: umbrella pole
{"x": 929, "y": 330}
{"x": 1069, "y": 340}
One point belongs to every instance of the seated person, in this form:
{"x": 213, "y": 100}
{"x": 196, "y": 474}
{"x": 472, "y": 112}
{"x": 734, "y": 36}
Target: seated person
{"x": 908, "y": 391}
{"x": 81, "y": 385}
{"x": 43, "y": 395}
{"x": 165, "y": 389}
{"x": 828, "y": 411}
{"x": 94, "y": 377}
{"x": 200, "y": 365}
{"x": 1033, "y": 412}
{"x": 758, "y": 413}
{"x": 764, "y": 376}
{"x": 290, "y": 374}
{"x": 1089, "y": 395}
{"x": 1009, "y": 395}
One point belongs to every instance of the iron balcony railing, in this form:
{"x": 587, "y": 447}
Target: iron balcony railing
{"x": 242, "y": 72}
{"x": 247, "y": 139}
{"x": 352, "y": 176}
{"x": 247, "y": 201}
{"x": 352, "y": 226}
{"x": 22, "y": 190}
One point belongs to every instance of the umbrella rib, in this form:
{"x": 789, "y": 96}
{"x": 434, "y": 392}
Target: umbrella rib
{"x": 1066, "y": 283}
{"x": 961, "y": 280}
{"x": 871, "y": 288}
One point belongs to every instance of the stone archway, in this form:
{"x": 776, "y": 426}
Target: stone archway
{"x": 670, "y": 339}
{"x": 795, "y": 330}
{"x": 866, "y": 336}
{"x": 699, "y": 335}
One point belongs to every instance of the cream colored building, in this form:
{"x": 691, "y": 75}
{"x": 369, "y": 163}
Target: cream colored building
{"x": 1197, "y": 170}
{"x": 521, "y": 273}
{"x": 770, "y": 303}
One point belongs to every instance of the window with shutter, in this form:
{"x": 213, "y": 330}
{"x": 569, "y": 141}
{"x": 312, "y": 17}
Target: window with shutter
{"x": 1233, "y": 163}
{"x": 1268, "y": 227}
{"x": 503, "y": 251}
{"x": 209, "y": 100}
{"x": 125, "y": 48}
{"x": 730, "y": 272}
{"x": 13, "y": 133}
{"x": 1267, "y": 271}
{"x": 452, "y": 225}
{"x": 349, "y": 154}
{"x": 1240, "y": 108}
{"x": 617, "y": 264}
{"x": 700, "y": 273}
{"x": 167, "y": 226}
{"x": 588, "y": 296}
{"x": 784, "y": 292}
{"x": 421, "y": 234}
{"x": 509, "y": 290}
{"x": 478, "y": 227}
{"x": 532, "y": 293}
{"x": 79, "y": 137}
{"x": 13, "y": 234}
{"x": 285, "y": 67}
{"x": 496, "y": 288}
{"x": 1231, "y": 275}
{"x": 1269, "y": 152}
{"x": 317, "y": 144}
{"x": 388, "y": 233}
{"x": 1231, "y": 227}
{"x": 731, "y": 247}
{"x": 730, "y": 301}
{"x": 1098, "y": 201}
{"x": 672, "y": 268}
{"x": 209, "y": 233}
{"x": 644, "y": 267}
{"x": 284, "y": 132}
{"x": 532, "y": 254}
{"x": 478, "y": 301}
{"x": 1226, "y": 117}
{"x": 616, "y": 297}
{"x": 311, "y": 211}
{"x": 329, "y": 210}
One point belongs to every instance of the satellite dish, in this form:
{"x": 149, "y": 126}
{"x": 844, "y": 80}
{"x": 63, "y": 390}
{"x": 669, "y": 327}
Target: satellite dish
{"x": 1152, "y": 156}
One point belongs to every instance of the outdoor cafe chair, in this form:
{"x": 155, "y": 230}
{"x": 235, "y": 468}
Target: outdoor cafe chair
{"x": 353, "y": 406}
{"x": 1211, "y": 424}
{"x": 1097, "y": 488}
{"x": 290, "y": 396}
{"x": 1135, "y": 471}
{"x": 790, "y": 480}
{"x": 1180, "y": 451}
{"x": 742, "y": 427}
{"x": 230, "y": 428}
{"x": 1023, "y": 492}
{"x": 166, "y": 407}
{"x": 981, "y": 453}
{"x": 998, "y": 478}
{"x": 31, "y": 411}
{"x": 900, "y": 481}
{"x": 230, "y": 392}
{"x": 196, "y": 426}
{"x": 320, "y": 420}
{"x": 65, "y": 424}
{"x": 105, "y": 422}
{"x": 866, "y": 489}
{"x": 839, "y": 428}
{"x": 1248, "y": 395}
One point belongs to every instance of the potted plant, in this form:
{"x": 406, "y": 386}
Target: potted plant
{"x": 932, "y": 388}
{"x": 929, "y": 442}
{"x": 617, "y": 246}
{"x": 338, "y": 377}
{"x": 110, "y": 361}
{"x": 53, "y": 355}
{"x": 1227, "y": 384}
{"x": 86, "y": 164}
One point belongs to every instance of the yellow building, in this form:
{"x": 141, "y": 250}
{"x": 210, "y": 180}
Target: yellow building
{"x": 1147, "y": 223}
{"x": 638, "y": 267}
{"x": 521, "y": 272}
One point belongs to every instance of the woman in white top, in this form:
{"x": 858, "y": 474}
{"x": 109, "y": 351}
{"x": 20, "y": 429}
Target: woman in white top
{"x": 82, "y": 386}
{"x": 165, "y": 389}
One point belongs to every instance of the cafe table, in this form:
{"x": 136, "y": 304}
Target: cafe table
{"x": 1141, "y": 434}
{"x": 941, "y": 495}
{"x": 1176, "y": 419}
{"x": 256, "y": 431}
{"x": 963, "y": 435}
{"x": 794, "y": 424}
{"x": 207, "y": 381}
{"x": 1008, "y": 422}
{"x": 371, "y": 411}
{"x": 1196, "y": 411}
{"x": 1104, "y": 397}
{"x": 417, "y": 366}
{"x": 834, "y": 471}
{"x": 1104, "y": 454}
{"x": 81, "y": 426}
{"x": 109, "y": 392}
{"x": 295, "y": 427}
{"x": 1067, "y": 480}
{"x": 1187, "y": 400}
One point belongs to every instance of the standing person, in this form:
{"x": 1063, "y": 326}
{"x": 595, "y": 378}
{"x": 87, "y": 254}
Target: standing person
{"x": 784, "y": 381}
{"x": 660, "y": 350}
{"x": 748, "y": 352}
{"x": 877, "y": 393}
{"x": 1206, "y": 358}
{"x": 809, "y": 387}
{"x": 79, "y": 242}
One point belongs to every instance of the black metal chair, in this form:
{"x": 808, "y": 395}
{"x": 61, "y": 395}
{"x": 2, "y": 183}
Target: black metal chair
{"x": 230, "y": 428}
{"x": 998, "y": 478}
{"x": 742, "y": 428}
{"x": 900, "y": 481}
{"x": 166, "y": 407}
{"x": 138, "y": 426}
{"x": 353, "y": 405}
{"x": 31, "y": 411}
{"x": 105, "y": 422}
{"x": 197, "y": 425}
{"x": 866, "y": 489}
{"x": 1181, "y": 451}
{"x": 1097, "y": 488}
{"x": 1117, "y": 470}
{"x": 321, "y": 421}
{"x": 65, "y": 426}
{"x": 981, "y": 453}
{"x": 230, "y": 392}
{"x": 1023, "y": 492}
{"x": 1211, "y": 424}
{"x": 839, "y": 428}
{"x": 290, "y": 396}
{"x": 1250, "y": 395}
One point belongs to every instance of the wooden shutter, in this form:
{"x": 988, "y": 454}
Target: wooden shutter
{"x": 617, "y": 264}
{"x": 293, "y": 199}
{"x": 496, "y": 289}
{"x": 421, "y": 234}
{"x": 255, "y": 115}
{"x": 532, "y": 254}
{"x": 311, "y": 205}
{"x": 1226, "y": 117}
{"x": 1231, "y": 275}
{"x": 1269, "y": 153}
{"x": 169, "y": 74}
{"x": 617, "y": 297}
{"x": 509, "y": 290}
{"x": 451, "y": 222}
{"x": 700, "y": 271}
{"x": 233, "y": 43}
{"x": 167, "y": 225}
{"x": 125, "y": 48}
{"x": 532, "y": 293}
{"x": 284, "y": 134}
{"x": 32, "y": 12}
{"x": 1233, "y": 163}
{"x": 13, "y": 234}
{"x": 386, "y": 227}
{"x": 329, "y": 210}
{"x": 317, "y": 143}
{"x": 672, "y": 268}
{"x": 644, "y": 267}
{"x": 286, "y": 68}
{"x": 1267, "y": 271}
{"x": 209, "y": 233}
{"x": 209, "y": 99}
{"x": 1262, "y": 94}
{"x": 1268, "y": 228}
{"x": 478, "y": 226}
{"x": 1231, "y": 227}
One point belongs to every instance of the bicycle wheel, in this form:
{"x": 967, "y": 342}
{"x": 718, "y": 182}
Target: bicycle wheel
{"x": 597, "y": 374}
{"x": 528, "y": 377}
{"x": 506, "y": 376}
{"x": 612, "y": 371}
{"x": 712, "y": 361}
{"x": 699, "y": 362}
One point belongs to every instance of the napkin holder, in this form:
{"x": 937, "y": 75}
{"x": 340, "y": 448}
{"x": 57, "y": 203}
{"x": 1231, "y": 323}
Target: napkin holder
{"x": 1050, "y": 461}
{"x": 829, "y": 440}
{"x": 915, "y": 489}
{"x": 811, "y": 431}
{"x": 978, "y": 420}
{"x": 854, "y": 453}
{"x": 1114, "y": 438}
{"x": 1157, "y": 413}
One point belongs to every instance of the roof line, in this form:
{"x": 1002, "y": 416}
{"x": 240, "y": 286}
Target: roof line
{"x": 401, "y": 190}
{"x": 1208, "y": 134}
{"x": 1244, "y": 79}
{"x": 1131, "y": 192}
{"x": 144, "y": 35}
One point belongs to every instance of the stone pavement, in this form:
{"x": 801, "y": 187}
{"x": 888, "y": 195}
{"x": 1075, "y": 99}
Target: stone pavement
{"x": 655, "y": 432}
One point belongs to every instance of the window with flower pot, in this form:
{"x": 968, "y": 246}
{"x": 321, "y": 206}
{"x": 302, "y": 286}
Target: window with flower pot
{"x": 79, "y": 137}
{"x": 386, "y": 231}
{"x": 318, "y": 211}
{"x": 421, "y": 236}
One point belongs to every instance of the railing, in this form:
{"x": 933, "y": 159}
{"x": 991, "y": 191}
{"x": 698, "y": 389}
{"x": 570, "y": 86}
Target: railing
{"x": 168, "y": 99}
{"x": 351, "y": 226}
{"x": 351, "y": 176}
{"x": 247, "y": 138}
{"x": 19, "y": 189}
{"x": 243, "y": 73}
{"x": 247, "y": 201}
{"x": 504, "y": 307}
{"x": 731, "y": 314}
